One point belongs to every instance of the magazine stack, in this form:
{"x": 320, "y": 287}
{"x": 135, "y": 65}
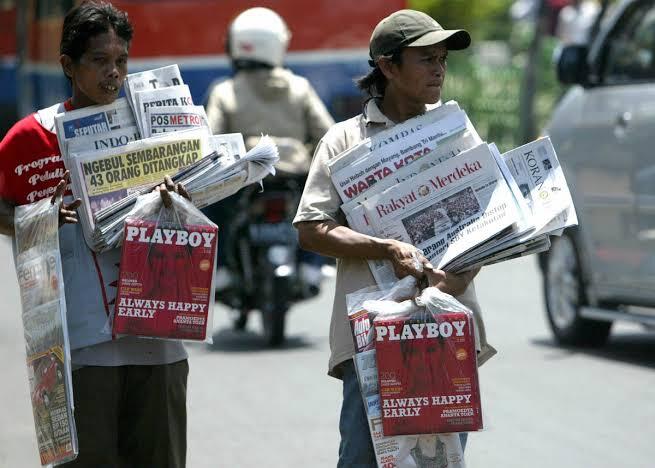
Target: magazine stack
{"x": 433, "y": 183}
{"x": 122, "y": 150}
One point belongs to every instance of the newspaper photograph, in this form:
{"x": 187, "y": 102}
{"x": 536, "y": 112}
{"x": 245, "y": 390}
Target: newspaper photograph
{"x": 151, "y": 79}
{"x": 447, "y": 209}
{"x": 448, "y": 137}
{"x": 93, "y": 120}
{"x": 163, "y": 119}
{"x": 160, "y": 97}
{"x": 230, "y": 144}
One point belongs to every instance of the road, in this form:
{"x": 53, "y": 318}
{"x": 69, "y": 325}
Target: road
{"x": 250, "y": 407}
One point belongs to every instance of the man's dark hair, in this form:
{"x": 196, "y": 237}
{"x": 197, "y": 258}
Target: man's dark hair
{"x": 88, "y": 20}
{"x": 374, "y": 82}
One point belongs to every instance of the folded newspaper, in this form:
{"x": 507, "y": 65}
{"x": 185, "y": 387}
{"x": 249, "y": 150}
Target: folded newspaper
{"x": 433, "y": 183}
{"x": 40, "y": 278}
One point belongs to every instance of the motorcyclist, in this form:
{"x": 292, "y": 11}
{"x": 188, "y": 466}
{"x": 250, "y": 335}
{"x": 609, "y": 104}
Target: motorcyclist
{"x": 263, "y": 97}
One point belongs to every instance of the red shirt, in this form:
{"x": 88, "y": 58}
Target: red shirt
{"x": 31, "y": 165}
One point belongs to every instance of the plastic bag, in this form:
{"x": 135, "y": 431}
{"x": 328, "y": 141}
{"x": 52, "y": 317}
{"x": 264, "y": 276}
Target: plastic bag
{"x": 41, "y": 282}
{"x": 427, "y": 365}
{"x": 400, "y": 451}
{"x": 166, "y": 279}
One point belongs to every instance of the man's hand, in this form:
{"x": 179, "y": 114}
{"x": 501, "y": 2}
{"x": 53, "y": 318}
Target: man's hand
{"x": 406, "y": 259}
{"x": 450, "y": 283}
{"x": 67, "y": 213}
{"x": 169, "y": 186}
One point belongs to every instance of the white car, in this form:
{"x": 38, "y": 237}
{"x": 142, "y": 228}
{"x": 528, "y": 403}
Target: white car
{"x": 604, "y": 132}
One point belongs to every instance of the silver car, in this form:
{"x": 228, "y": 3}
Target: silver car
{"x": 604, "y": 131}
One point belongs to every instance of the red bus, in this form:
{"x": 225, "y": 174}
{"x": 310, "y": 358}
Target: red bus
{"x": 329, "y": 45}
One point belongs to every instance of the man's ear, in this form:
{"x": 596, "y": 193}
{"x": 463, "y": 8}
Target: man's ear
{"x": 66, "y": 65}
{"x": 387, "y": 67}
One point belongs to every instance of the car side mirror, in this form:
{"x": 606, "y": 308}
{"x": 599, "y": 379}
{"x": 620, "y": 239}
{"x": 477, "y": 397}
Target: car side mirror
{"x": 572, "y": 67}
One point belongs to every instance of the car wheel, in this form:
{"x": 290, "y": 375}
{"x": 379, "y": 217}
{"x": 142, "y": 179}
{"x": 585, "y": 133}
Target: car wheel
{"x": 565, "y": 294}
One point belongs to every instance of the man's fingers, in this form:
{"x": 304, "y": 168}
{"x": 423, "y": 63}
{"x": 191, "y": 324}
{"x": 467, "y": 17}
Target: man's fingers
{"x": 179, "y": 188}
{"x": 74, "y": 204}
{"x": 166, "y": 198}
{"x": 168, "y": 182}
{"x": 70, "y": 220}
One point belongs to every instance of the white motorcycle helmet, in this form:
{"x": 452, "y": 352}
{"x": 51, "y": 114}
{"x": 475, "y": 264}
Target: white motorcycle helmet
{"x": 259, "y": 35}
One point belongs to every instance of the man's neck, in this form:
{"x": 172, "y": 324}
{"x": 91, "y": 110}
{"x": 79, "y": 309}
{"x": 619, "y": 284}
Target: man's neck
{"x": 398, "y": 109}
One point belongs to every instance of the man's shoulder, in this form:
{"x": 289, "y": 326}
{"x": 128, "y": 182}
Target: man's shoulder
{"x": 343, "y": 134}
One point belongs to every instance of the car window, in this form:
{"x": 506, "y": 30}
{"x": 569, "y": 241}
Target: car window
{"x": 631, "y": 53}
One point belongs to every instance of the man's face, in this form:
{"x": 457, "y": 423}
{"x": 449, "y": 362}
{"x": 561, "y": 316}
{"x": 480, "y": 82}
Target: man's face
{"x": 98, "y": 75}
{"x": 420, "y": 75}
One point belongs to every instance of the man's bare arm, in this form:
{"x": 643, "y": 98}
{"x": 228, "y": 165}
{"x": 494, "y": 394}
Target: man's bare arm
{"x": 334, "y": 240}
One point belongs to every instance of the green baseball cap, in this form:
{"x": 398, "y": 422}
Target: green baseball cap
{"x": 411, "y": 28}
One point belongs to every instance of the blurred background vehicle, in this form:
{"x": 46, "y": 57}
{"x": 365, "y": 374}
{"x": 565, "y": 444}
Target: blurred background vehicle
{"x": 604, "y": 270}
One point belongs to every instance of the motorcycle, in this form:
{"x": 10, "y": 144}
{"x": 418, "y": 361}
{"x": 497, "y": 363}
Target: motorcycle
{"x": 263, "y": 258}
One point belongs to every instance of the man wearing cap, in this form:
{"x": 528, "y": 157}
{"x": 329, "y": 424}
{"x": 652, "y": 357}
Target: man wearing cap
{"x": 408, "y": 52}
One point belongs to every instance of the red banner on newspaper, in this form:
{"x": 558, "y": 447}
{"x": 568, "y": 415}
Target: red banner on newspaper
{"x": 165, "y": 280}
{"x": 428, "y": 375}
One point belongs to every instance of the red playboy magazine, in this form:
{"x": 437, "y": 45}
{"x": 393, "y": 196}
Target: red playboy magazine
{"x": 427, "y": 373}
{"x": 165, "y": 281}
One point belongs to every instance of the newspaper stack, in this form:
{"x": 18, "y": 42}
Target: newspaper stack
{"x": 208, "y": 180}
{"x": 40, "y": 278}
{"x": 432, "y": 182}
{"x": 119, "y": 151}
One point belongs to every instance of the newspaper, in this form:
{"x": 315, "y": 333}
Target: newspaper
{"x": 448, "y": 209}
{"x": 355, "y": 213}
{"x": 541, "y": 181}
{"x": 151, "y": 79}
{"x": 160, "y": 97}
{"x": 101, "y": 178}
{"x": 101, "y": 141}
{"x": 445, "y": 129}
{"x": 89, "y": 123}
{"x": 174, "y": 118}
{"x": 208, "y": 180}
{"x": 40, "y": 278}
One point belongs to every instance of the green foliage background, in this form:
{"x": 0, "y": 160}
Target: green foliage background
{"x": 490, "y": 93}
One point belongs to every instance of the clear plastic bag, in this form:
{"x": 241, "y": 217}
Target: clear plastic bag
{"x": 373, "y": 307}
{"x": 167, "y": 272}
{"x": 41, "y": 282}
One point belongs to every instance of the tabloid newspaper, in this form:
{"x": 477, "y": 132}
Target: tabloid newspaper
{"x": 174, "y": 118}
{"x": 445, "y": 129}
{"x": 540, "y": 178}
{"x": 427, "y": 373}
{"x": 399, "y": 451}
{"x": 448, "y": 209}
{"x": 101, "y": 178}
{"x": 160, "y": 97}
{"x": 208, "y": 180}
{"x": 90, "y": 126}
{"x": 40, "y": 278}
{"x": 151, "y": 79}
{"x": 355, "y": 212}
{"x": 166, "y": 278}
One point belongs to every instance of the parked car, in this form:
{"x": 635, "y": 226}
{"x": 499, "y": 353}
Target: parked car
{"x": 604, "y": 131}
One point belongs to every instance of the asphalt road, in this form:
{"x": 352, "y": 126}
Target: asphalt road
{"x": 250, "y": 407}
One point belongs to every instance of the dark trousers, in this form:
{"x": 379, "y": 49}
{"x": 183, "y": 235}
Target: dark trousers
{"x": 131, "y": 416}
